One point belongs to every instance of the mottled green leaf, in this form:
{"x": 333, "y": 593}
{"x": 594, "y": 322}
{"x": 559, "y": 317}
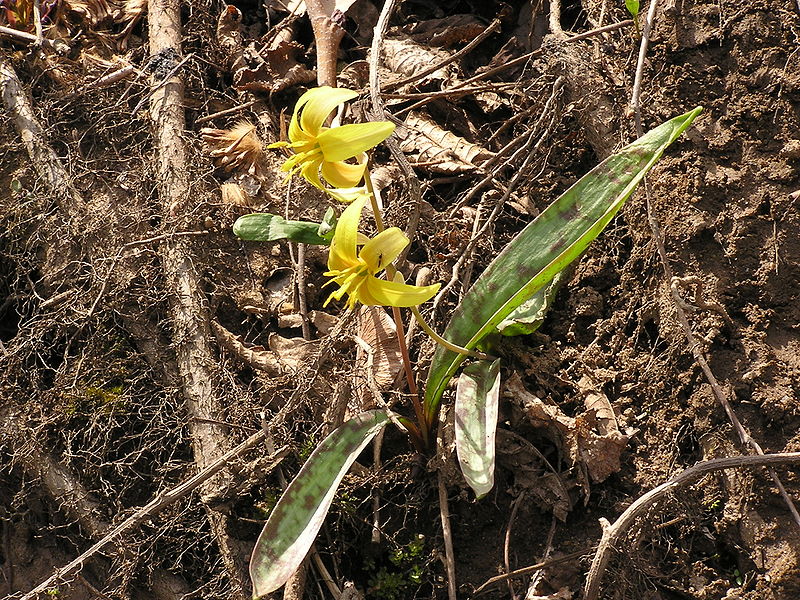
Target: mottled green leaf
{"x": 529, "y": 315}
{"x": 294, "y": 522}
{"x": 264, "y": 227}
{"x": 545, "y": 247}
{"x": 477, "y": 396}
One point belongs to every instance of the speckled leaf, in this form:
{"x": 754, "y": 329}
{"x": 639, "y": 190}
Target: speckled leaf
{"x": 264, "y": 227}
{"x": 294, "y": 522}
{"x": 546, "y": 246}
{"x": 529, "y": 315}
{"x": 477, "y": 397}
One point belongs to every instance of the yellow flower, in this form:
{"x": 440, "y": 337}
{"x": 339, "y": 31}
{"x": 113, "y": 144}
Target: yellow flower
{"x": 354, "y": 272}
{"x": 325, "y": 149}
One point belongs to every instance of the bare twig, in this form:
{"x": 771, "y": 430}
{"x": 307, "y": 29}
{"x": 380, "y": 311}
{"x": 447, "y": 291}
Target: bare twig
{"x": 493, "y": 26}
{"x": 613, "y": 533}
{"x": 447, "y": 533}
{"x": 224, "y": 113}
{"x": 189, "y": 317}
{"x": 154, "y": 506}
{"x": 57, "y": 46}
{"x": 525, "y": 58}
{"x": 526, "y": 570}
{"x": 555, "y": 19}
{"x": 379, "y": 113}
{"x": 744, "y": 437}
{"x": 507, "y": 541}
{"x": 637, "y": 81}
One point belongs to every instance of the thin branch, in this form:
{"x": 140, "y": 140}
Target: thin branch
{"x": 744, "y": 437}
{"x": 526, "y": 570}
{"x": 447, "y": 533}
{"x": 57, "y": 46}
{"x": 493, "y": 26}
{"x": 613, "y": 533}
{"x": 379, "y": 113}
{"x": 154, "y": 506}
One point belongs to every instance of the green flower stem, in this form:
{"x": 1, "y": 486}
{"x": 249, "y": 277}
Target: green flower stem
{"x": 398, "y": 319}
{"x": 443, "y": 342}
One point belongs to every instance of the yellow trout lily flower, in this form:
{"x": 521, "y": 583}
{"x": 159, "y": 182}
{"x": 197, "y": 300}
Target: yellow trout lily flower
{"x": 354, "y": 272}
{"x": 325, "y": 149}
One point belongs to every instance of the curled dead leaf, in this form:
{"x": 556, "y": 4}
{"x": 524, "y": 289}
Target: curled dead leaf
{"x": 408, "y": 58}
{"x": 293, "y": 353}
{"x": 437, "y": 149}
{"x": 276, "y": 68}
{"x": 235, "y": 149}
{"x": 446, "y": 32}
{"x": 378, "y": 357}
{"x": 598, "y": 453}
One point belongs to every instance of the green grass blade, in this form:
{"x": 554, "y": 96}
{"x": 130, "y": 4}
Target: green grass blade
{"x": 546, "y": 246}
{"x": 294, "y": 522}
{"x": 476, "y": 404}
{"x": 264, "y": 227}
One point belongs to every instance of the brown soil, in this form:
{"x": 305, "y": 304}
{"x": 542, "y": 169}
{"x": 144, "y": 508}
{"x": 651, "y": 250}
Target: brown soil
{"x": 94, "y": 420}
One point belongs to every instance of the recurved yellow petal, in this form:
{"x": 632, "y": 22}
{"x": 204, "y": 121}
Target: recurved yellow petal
{"x": 391, "y": 293}
{"x": 317, "y": 103}
{"x": 343, "y": 175}
{"x": 347, "y": 141}
{"x": 343, "y": 252}
{"x": 383, "y": 249}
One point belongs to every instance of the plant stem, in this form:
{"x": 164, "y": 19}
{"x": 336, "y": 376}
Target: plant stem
{"x": 398, "y": 318}
{"x": 443, "y": 342}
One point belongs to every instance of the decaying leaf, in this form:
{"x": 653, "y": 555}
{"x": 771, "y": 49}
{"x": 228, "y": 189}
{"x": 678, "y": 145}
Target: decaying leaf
{"x": 584, "y": 446}
{"x": 235, "y": 149}
{"x": 257, "y": 357}
{"x": 379, "y": 357}
{"x": 437, "y": 149}
{"x": 446, "y": 32}
{"x": 229, "y": 38}
{"x": 531, "y": 474}
{"x": 276, "y": 68}
{"x": 408, "y": 58}
{"x": 232, "y": 193}
{"x": 293, "y": 353}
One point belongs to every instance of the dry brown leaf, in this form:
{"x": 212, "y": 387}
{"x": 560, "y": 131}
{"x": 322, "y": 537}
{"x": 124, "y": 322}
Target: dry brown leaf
{"x": 229, "y": 38}
{"x": 95, "y": 12}
{"x": 408, "y": 58}
{"x": 598, "y": 453}
{"x": 381, "y": 360}
{"x": 323, "y": 321}
{"x": 451, "y": 30}
{"x": 257, "y": 357}
{"x": 519, "y": 456}
{"x": 597, "y": 401}
{"x": 293, "y": 353}
{"x": 235, "y": 149}
{"x": 277, "y": 68}
{"x": 437, "y": 149}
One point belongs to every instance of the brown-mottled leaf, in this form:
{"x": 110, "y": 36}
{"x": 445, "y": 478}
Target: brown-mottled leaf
{"x": 297, "y": 517}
